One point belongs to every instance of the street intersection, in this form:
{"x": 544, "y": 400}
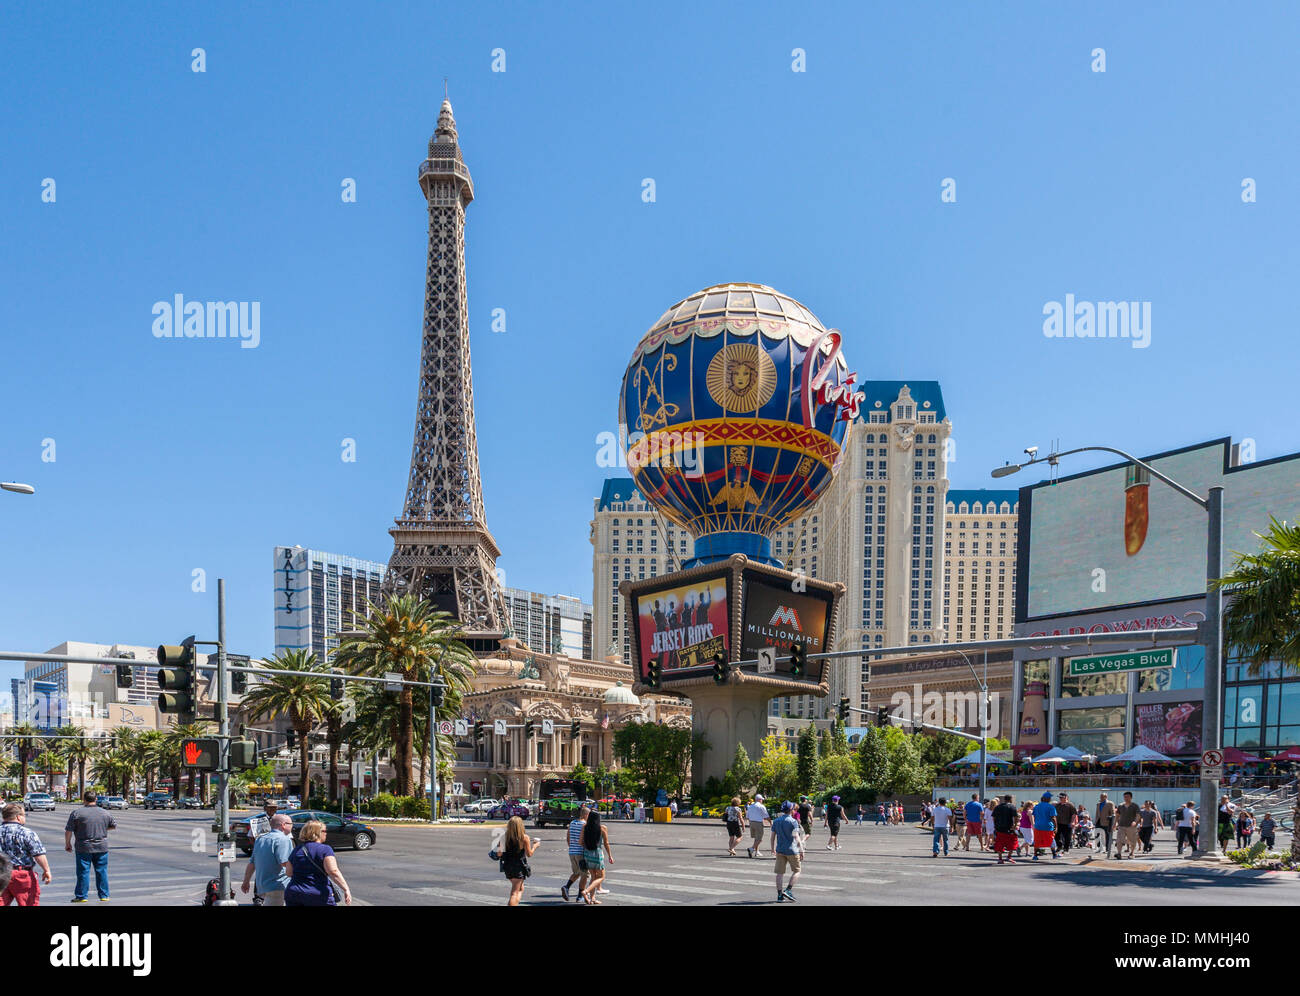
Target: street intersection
{"x": 165, "y": 858}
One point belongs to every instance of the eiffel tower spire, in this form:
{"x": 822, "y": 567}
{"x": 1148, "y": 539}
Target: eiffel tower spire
{"x": 442, "y": 549}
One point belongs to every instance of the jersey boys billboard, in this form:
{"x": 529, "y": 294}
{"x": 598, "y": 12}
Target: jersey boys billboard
{"x": 683, "y": 626}
{"x": 776, "y": 616}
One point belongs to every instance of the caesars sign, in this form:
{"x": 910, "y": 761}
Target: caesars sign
{"x": 776, "y": 616}
{"x": 683, "y": 625}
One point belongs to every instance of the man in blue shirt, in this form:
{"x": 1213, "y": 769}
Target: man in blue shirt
{"x": 974, "y": 823}
{"x": 787, "y": 837}
{"x": 270, "y": 852}
{"x": 1045, "y": 825}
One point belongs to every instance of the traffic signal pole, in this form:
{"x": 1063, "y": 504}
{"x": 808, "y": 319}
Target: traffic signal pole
{"x": 224, "y": 837}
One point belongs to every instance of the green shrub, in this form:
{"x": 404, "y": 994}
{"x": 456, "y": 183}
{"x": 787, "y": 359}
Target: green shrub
{"x": 414, "y": 808}
{"x": 384, "y": 804}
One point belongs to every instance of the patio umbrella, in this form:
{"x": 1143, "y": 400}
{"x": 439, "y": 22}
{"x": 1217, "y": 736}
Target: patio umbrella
{"x": 1056, "y": 755}
{"x": 973, "y": 758}
{"x": 1234, "y": 755}
{"x": 1290, "y": 754}
{"x": 1140, "y": 754}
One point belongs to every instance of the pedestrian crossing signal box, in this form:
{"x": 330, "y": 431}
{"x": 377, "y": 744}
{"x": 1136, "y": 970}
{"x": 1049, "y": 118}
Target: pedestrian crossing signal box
{"x": 203, "y": 754}
{"x": 243, "y": 754}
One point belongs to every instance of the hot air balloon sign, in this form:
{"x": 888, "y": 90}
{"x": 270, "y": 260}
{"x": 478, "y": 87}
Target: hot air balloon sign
{"x": 736, "y": 406}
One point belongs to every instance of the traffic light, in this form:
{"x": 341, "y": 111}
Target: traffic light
{"x": 291, "y": 739}
{"x": 243, "y": 754}
{"x": 882, "y": 716}
{"x": 575, "y": 728}
{"x": 844, "y": 709}
{"x": 204, "y": 754}
{"x": 238, "y": 682}
{"x": 178, "y": 676}
{"x": 478, "y": 731}
{"x": 798, "y": 658}
{"x": 124, "y": 676}
{"x": 528, "y": 729}
{"x": 336, "y": 688}
{"x": 436, "y": 691}
{"x": 654, "y": 673}
{"x": 720, "y": 667}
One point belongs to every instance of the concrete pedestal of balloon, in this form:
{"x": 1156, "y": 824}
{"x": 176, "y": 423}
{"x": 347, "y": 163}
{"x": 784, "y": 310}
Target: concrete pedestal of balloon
{"x": 735, "y": 407}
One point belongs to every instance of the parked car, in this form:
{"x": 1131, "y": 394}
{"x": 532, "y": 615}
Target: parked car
{"x": 506, "y": 810}
{"x": 481, "y": 805}
{"x": 292, "y": 802}
{"x": 159, "y": 800}
{"x": 340, "y": 831}
{"x": 38, "y": 802}
{"x": 191, "y": 802}
{"x": 112, "y": 802}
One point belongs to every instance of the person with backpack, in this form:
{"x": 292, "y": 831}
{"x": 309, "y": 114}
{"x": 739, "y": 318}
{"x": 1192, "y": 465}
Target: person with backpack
{"x": 313, "y": 870}
{"x": 1105, "y": 820}
{"x": 595, "y": 851}
{"x": 1245, "y": 827}
{"x": 1185, "y": 826}
{"x": 516, "y": 849}
{"x": 734, "y": 816}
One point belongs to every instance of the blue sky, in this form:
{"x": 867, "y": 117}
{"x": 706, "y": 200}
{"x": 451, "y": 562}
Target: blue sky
{"x": 172, "y": 455}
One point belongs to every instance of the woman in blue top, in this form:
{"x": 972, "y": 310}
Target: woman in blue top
{"x": 311, "y": 867}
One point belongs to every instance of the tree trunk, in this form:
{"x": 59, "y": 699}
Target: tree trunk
{"x": 22, "y": 772}
{"x": 81, "y": 776}
{"x": 334, "y": 770}
{"x": 304, "y": 763}
{"x": 405, "y": 742}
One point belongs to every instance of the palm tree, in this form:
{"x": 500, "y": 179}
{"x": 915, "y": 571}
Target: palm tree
{"x": 412, "y": 638}
{"x": 22, "y": 734}
{"x": 305, "y": 699}
{"x": 50, "y": 761}
{"x": 149, "y": 754}
{"x": 65, "y": 748}
{"x": 79, "y": 752}
{"x": 1262, "y": 623}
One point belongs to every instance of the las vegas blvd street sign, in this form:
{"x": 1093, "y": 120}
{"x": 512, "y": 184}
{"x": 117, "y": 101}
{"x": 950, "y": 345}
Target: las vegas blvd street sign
{"x": 1137, "y": 660}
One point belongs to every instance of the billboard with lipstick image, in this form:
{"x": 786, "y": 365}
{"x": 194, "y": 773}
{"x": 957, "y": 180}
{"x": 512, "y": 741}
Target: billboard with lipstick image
{"x": 1119, "y": 537}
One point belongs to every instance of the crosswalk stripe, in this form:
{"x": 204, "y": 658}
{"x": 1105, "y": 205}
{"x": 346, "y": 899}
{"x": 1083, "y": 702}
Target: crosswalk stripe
{"x": 696, "y": 890}
{"x": 714, "y": 878}
{"x": 764, "y": 869}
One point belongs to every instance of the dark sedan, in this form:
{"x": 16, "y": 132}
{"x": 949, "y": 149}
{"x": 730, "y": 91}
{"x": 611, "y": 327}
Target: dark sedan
{"x": 340, "y": 831}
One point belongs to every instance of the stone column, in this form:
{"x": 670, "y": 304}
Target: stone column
{"x": 727, "y": 715}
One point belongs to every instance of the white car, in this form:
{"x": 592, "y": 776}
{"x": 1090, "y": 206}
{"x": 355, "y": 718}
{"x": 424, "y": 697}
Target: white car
{"x": 481, "y": 805}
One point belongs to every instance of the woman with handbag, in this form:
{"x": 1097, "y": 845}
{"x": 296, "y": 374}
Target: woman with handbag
{"x": 314, "y": 871}
{"x": 594, "y": 838}
{"x": 515, "y": 851}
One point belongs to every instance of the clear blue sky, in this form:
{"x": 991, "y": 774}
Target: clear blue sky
{"x": 176, "y": 455}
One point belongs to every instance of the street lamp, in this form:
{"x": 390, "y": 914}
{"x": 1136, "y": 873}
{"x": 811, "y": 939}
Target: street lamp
{"x": 984, "y": 716}
{"x": 1211, "y": 717}
{"x": 16, "y": 488}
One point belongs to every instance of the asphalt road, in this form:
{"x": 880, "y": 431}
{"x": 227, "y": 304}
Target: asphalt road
{"x": 165, "y": 858}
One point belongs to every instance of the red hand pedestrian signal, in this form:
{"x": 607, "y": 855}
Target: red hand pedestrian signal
{"x": 203, "y": 754}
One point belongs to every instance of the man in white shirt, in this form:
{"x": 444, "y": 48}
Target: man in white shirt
{"x": 1186, "y": 826}
{"x": 942, "y": 817}
{"x": 757, "y": 815}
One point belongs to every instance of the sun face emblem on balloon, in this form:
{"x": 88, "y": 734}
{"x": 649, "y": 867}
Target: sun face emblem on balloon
{"x": 741, "y": 377}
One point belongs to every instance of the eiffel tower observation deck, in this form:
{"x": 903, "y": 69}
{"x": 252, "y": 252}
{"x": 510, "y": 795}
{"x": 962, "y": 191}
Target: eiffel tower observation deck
{"x": 442, "y": 548}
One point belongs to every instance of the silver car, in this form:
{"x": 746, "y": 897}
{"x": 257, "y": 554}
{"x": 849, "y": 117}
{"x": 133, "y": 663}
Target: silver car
{"x": 38, "y": 802}
{"x": 112, "y": 802}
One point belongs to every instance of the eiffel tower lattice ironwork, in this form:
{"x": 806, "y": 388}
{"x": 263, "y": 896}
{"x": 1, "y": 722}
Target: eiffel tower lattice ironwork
{"x": 442, "y": 549}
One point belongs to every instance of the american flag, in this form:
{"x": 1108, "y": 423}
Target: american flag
{"x": 604, "y": 722}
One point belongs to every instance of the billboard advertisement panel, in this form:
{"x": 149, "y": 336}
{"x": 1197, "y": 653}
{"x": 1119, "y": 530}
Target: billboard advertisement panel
{"x": 1117, "y": 537}
{"x": 775, "y": 616}
{"x": 1172, "y": 728}
{"x": 683, "y": 625}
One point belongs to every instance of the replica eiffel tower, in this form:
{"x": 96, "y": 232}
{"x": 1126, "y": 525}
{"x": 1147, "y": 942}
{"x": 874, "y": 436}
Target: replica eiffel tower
{"x": 443, "y": 551}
